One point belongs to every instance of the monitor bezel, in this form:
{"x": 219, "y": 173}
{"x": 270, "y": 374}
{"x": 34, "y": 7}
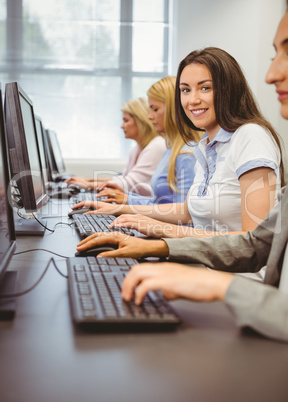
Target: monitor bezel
{"x": 14, "y": 122}
{"x": 46, "y": 163}
{"x": 57, "y": 169}
{"x": 4, "y": 153}
{"x": 48, "y": 156}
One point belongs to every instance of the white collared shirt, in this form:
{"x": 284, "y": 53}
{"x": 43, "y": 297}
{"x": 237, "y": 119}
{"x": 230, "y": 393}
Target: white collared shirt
{"x": 214, "y": 199}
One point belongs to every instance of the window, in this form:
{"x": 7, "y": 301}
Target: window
{"x": 80, "y": 61}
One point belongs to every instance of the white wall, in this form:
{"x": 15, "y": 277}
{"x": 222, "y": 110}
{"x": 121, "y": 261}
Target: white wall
{"x": 243, "y": 28}
{"x": 95, "y": 168}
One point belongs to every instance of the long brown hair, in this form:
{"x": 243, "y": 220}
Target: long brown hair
{"x": 234, "y": 102}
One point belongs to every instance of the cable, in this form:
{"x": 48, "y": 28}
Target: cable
{"x": 65, "y": 223}
{"x": 53, "y": 216}
{"x": 40, "y": 223}
{"x": 15, "y": 195}
{"x": 40, "y": 249}
{"x": 52, "y": 230}
{"x": 44, "y": 226}
{"x": 42, "y": 275}
{"x": 24, "y": 292}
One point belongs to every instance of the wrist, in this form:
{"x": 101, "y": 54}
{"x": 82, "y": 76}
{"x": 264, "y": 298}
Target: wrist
{"x": 119, "y": 210}
{"x": 156, "y": 248}
{"x": 224, "y": 281}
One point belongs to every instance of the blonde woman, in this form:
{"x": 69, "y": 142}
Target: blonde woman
{"x": 144, "y": 157}
{"x": 175, "y": 174}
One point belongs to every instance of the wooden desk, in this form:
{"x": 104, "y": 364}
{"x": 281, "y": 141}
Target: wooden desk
{"x": 44, "y": 358}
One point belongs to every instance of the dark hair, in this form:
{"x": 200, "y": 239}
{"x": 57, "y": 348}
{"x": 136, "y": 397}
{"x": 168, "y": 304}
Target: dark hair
{"x": 234, "y": 102}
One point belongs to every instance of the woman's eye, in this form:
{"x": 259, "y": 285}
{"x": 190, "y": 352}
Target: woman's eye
{"x": 184, "y": 90}
{"x": 205, "y": 88}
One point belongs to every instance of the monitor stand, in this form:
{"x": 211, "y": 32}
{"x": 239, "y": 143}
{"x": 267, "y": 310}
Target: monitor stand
{"x": 29, "y": 227}
{"x": 8, "y": 286}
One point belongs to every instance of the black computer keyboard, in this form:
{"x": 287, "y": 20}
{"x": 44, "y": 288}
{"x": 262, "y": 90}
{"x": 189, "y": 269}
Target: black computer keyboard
{"x": 94, "y": 286}
{"x": 89, "y": 224}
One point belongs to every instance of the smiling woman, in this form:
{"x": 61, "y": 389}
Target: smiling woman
{"x": 238, "y": 151}
{"x": 197, "y": 98}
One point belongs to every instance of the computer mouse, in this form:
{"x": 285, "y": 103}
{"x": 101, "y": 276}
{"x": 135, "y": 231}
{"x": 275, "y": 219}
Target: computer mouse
{"x": 74, "y": 188}
{"x": 94, "y": 251}
{"x": 79, "y": 211}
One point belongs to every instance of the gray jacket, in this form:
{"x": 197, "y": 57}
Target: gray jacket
{"x": 259, "y": 306}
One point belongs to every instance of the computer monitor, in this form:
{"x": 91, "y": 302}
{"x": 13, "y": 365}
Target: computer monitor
{"x": 49, "y": 160}
{"x": 58, "y": 165}
{"x": 42, "y": 150}
{"x": 24, "y": 158}
{"x": 7, "y": 233}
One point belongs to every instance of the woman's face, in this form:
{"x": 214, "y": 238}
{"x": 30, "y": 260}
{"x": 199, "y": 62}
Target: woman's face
{"x": 278, "y": 71}
{"x": 156, "y": 114}
{"x": 197, "y": 98}
{"x": 129, "y": 126}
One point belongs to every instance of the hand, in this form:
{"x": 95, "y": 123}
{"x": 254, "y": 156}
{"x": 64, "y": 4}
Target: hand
{"x": 117, "y": 196}
{"x": 128, "y": 246}
{"x": 85, "y": 204}
{"x": 75, "y": 178}
{"x": 175, "y": 281}
{"x": 100, "y": 207}
{"x": 148, "y": 226}
{"x": 81, "y": 182}
{"x": 107, "y": 183}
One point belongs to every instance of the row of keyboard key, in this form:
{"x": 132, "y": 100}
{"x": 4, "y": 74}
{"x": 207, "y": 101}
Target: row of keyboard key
{"x": 89, "y": 224}
{"x": 95, "y": 287}
{"x": 85, "y": 196}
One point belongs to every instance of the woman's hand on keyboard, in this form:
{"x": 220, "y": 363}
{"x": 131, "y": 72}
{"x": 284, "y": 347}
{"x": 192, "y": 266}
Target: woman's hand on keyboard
{"x": 175, "y": 281}
{"x": 109, "y": 184}
{"x": 79, "y": 181}
{"x": 113, "y": 195}
{"x": 148, "y": 226}
{"x": 128, "y": 246}
{"x": 101, "y": 207}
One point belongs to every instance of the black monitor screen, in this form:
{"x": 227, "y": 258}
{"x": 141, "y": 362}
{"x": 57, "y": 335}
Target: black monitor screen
{"x": 4, "y": 225}
{"x": 7, "y": 234}
{"x": 6, "y": 240}
{"x": 25, "y": 165}
{"x": 56, "y": 152}
{"x": 39, "y": 129}
{"x": 29, "y": 128}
